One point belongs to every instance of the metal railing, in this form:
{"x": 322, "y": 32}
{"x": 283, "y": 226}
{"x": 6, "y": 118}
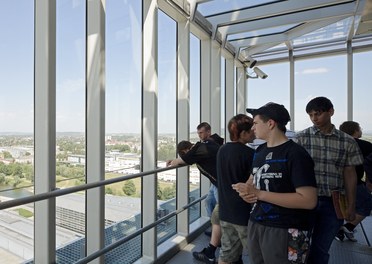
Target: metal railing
{"x": 106, "y": 249}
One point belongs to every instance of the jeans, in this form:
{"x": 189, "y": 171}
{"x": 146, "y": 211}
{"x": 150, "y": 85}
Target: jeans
{"x": 211, "y": 200}
{"x": 325, "y": 229}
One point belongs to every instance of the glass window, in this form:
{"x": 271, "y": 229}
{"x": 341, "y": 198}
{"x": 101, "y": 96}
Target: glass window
{"x": 194, "y": 174}
{"x": 167, "y": 109}
{"x": 362, "y": 90}
{"x": 123, "y": 126}
{"x": 275, "y": 88}
{"x": 70, "y": 125}
{"x": 16, "y": 127}
{"x": 325, "y": 76}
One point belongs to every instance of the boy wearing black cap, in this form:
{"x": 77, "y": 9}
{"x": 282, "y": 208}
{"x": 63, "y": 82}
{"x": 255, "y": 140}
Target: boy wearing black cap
{"x": 283, "y": 188}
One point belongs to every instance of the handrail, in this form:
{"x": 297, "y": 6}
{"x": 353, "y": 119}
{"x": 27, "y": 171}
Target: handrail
{"x": 60, "y": 192}
{"x": 119, "y": 242}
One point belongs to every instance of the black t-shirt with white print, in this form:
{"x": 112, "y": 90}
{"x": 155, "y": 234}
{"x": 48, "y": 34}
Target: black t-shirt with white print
{"x": 282, "y": 169}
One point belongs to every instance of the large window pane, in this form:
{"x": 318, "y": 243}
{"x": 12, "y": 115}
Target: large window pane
{"x": 16, "y": 128}
{"x": 167, "y": 76}
{"x": 320, "y": 77}
{"x": 275, "y": 88}
{"x": 362, "y": 92}
{"x": 123, "y": 127}
{"x": 194, "y": 174}
{"x": 70, "y": 127}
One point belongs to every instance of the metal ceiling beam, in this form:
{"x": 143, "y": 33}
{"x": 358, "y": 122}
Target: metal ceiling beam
{"x": 294, "y": 18}
{"x": 285, "y": 36}
{"x": 268, "y": 10}
{"x": 264, "y": 11}
{"x": 255, "y": 48}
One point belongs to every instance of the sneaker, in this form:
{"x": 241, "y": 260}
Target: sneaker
{"x": 340, "y": 236}
{"x": 349, "y": 234}
{"x": 202, "y": 256}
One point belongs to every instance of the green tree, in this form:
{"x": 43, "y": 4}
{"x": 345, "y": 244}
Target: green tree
{"x": 16, "y": 181}
{"x": 2, "y": 178}
{"x": 159, "y": 193}
{"x": 169, "y": 192}
{"x": 129, "y": 188}
{"x": 166, "y": 152}
{"x": 7, "y": 155}
{"x": 108, "y": 190}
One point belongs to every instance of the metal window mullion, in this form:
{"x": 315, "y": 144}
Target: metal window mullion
{"x": 349, "y": 80}
{"x": 45, "y": 130}
{"x": 95, "y": 126}
{"x": 183, "y": 118}
{"x": 149, "y": 125}
{"x": 292, "y": 89}
{"x": 229, "y": 93}
{"x": 240, "y": 89}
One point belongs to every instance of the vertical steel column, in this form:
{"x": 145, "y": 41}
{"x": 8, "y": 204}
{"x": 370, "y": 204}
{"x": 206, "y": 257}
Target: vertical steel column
{"x": 350, "y": 83}
{"x": 240, "y": 89}
{"x": 229, "y": 93}
{"x": 95, "y": 126}
{"x": 183, "y": 118}
{"x": 149, "y": 124}
{"x": 45, "y": 129}
{"x": 292, "y": 89}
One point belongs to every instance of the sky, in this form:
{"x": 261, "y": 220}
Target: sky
{"x": 315, "y": 77}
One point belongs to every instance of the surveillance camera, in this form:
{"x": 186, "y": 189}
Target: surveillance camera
{"x": 251, "y": 63}
{"x": 260, "y": 73}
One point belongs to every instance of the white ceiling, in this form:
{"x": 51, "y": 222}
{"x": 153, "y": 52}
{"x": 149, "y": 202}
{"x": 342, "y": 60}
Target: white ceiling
{"x": 248, "y": 28}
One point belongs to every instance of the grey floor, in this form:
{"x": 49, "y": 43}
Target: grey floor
{"x": 346, "y": 252}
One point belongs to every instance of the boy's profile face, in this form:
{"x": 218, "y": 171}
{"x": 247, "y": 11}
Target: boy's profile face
{"x": 260, "y": 128}
{"x": 321, "y": 118}
{"x": 203, "y": 133}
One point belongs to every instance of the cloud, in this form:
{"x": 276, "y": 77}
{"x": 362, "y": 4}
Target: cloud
{"x": 314, "y": 71}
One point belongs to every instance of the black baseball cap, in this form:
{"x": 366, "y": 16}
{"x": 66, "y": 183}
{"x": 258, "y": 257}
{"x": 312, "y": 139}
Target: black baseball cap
{"x": 274, "y": 111}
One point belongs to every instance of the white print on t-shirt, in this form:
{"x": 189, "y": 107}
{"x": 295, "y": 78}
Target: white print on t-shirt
{"x": 266, "y": 181}
{"x": 257, "y": 172}
{"x": 262, "y": 174}
{"x": 269, "y": 156}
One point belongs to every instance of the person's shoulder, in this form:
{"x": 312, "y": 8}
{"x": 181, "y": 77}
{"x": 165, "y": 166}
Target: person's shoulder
{"x": 303, "y": 132}
{"x": 261, "y": 147}
{"x": 217, "y": 139}
{"x": 346, "y": 137}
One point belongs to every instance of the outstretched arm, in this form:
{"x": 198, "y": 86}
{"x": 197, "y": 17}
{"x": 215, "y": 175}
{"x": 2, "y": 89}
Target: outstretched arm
{"x": 175, "y": 162}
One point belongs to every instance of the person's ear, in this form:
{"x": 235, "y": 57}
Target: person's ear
{"x": 271, "y": 123}
{"x": 331, "y": 111}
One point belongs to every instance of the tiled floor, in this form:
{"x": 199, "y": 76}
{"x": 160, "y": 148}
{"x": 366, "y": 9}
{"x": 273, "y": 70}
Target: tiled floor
{"x": 346, "y": 252}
